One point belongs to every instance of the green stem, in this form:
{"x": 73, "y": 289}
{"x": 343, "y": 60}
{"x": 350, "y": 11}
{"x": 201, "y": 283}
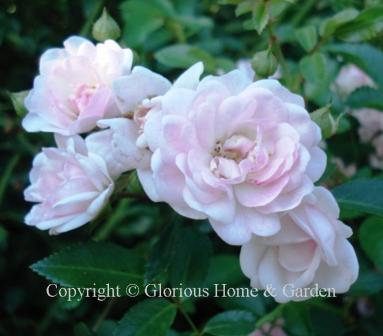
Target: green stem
{"x": 7, "y": 174}
{"x": 178, "y": 30}
{"x": 86, "y": 28}
{"x": 137, "y": 196}
{"x": 106, "y": 229}
{"x": 277, "y": 51}
{"x": 187, "y": 318}
{"x": 103, "y": 314}
{"x": 319, "y": 44}
{"x": 46, "y": 320}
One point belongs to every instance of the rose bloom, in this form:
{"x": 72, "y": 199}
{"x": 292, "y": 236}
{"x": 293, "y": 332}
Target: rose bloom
{"x": 117, "y": 145}
{"x": 350, "y": 78}
{"x": 371, "y": 123}
{"x": 120, "y": 144}
{"x": 74, "y": 88}
{"x": 234, "y": 151}
{"x": 70, "y": 184}
{"x": 269, "y": 329}
{"x": 310, "y": 250}
{"x": 376, "y": 159}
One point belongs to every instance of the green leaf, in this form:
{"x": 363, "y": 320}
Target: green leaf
{"x": 255, "y": 305}
{"x": 312, "y": 67}
{"x": 184, "y": 56}
{"x": 141, "y": 19}
{"x": 106, "y": 328}
{"x": 244, "y": 7}
{"x": 334, "y": 325}
{"x": 148, "y": 317}
{"x": 307, "y": 37}
{"x": 366, "y": 26}
{"x": 318, "y": 73}
{"x": 296, "y": 317}
{"x": 276, "y": 7}
{"x": 231, "y": 323}
{"x": 329, "y": 26}
{"x": 226, "y": 64}
{"x": 368, "y": 282}
{"x": 224, "y": 269}
{"x": 196, "y": 24}
{"x": 81, "y": 329}
{"x": 362, "y": 194}
{"x": 83, "y": 265}
{"x": 3, "y": 238}
{"x": 17, "y": 99}
{"x": 229, "y": 2}
{"x": 260, "y": 16}
{"x": 182, "y": 254}
{"x": 371, "y": 239}
{"x": 365, "y": 56}
{"x": 271, "y": 316}
{"x": 366, "y": 97}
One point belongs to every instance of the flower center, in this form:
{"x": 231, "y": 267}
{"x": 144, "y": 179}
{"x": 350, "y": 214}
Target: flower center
{"x": 235, "y": 148}
{"x": 228, "y": 154}
{"x": 81, "y": 97}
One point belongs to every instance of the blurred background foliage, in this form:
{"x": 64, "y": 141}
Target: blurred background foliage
{"x": 315, "y": 37}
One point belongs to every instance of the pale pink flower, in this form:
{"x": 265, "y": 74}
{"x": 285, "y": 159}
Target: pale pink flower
{"x": 231, "y": 150}
{"x": 350, "y": 78}
{"x": 311, "y": 249}
{"x": 376, "y": 159}
{"x": 74, "y": 88}
{"x": 371, "y": 123}
{"x": 346, "y": 170}
{"x": 269, "y": 329}
{"x": 122, "y": 144}
{"x": 133, "y": 90}
{"x": 117, "y": 145}
{"x": 70, "y": 185}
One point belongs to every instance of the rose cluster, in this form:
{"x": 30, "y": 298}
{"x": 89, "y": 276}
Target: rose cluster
{"x": 243, "y": 154}
{"x": 349, "y": 79}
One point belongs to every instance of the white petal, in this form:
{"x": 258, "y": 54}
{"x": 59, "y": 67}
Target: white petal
{"x": 317, "y": 164}
{"x": 142, "y": 83}
{"x": 190, "y": 78}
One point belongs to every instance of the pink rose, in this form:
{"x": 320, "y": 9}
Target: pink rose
{"x": 74, "y": 88}
{"x": 350, "y": 78}
{"x": 132, "y": 90}
{"x": 122, "y": 144}
{"x": 117, "y": 145}
{"x": 310, "y": 250}
{"x": 371, "y": 123}
{"x": 376, "y": 159}
{"x": 269, "y": 329}
{"x": 231, "y": 150}
{"x": 70, "y": 185}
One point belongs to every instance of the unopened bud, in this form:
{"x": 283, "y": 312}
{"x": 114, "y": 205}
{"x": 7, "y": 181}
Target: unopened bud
{"x": 106, "y": 28}
{"x": 264, "y": 63}
{"x": 17, "y": 99}
{"x": 323, "y": 118}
